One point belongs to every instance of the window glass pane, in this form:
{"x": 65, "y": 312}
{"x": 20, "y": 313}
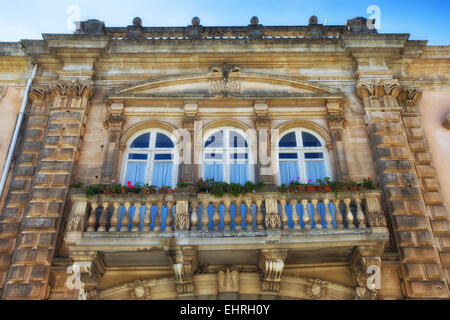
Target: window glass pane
{"x": 215, "y": 141}
{"x": 289, "y": 171}
{"x": 142, "y": 142}
{"x": 214, "y": 171}
{"x": 239, "y": 156}
{"x": 314, "y": 155}
{"x": 310, "y": 141}
{"x": 237, "y": 141}
{"x": 162, "y": 174}
{"x": 288, "y": 155}
{"x": 137, "y": 157}
{"x": 136, "y": 172}
{"x": 214, "y": 156}
{"x": 239, "y": 173}
{"x": 163, "y": 157}
{"x": 288, "y": 140}
{"x": 163, "y": 141}
{"x": 315, "y": 170}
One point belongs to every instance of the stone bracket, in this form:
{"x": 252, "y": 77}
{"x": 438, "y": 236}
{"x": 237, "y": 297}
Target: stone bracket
{"x": 184, "y": 262}
{"x": 91, "y": 268}
{"x": 271, "y": 265}
{"x": 364, "y": 260}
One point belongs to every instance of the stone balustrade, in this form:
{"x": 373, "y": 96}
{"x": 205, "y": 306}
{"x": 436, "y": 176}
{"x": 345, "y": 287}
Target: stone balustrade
{"x": 204, "y": 214}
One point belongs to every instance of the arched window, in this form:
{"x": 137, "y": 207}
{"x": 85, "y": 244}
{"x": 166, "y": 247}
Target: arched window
{"x": 150, "y": 158}
{"x": 302, "y": 154}
{"x": 226, "y": 157}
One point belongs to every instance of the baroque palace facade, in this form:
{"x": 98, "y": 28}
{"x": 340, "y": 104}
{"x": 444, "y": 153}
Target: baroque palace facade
{"x": 257, "y": 103}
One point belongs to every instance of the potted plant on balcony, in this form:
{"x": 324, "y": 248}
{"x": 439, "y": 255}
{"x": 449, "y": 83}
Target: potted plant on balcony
{"x": 116, "y": 187}
{"x": 310, "y": 187}
{"x": 368, "y": 184}
{"x": 325, "y": 183}
{"x": 201, "y": 186}
{"x": 282, "y": 188}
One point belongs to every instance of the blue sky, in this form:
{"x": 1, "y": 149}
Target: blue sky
{"x": 28, "y": 19}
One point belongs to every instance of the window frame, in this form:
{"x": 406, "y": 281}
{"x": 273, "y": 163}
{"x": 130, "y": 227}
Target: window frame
{"x": 151, "y": 152}
{"x": 227, "y": 151}
{"x": 300, "y": 150}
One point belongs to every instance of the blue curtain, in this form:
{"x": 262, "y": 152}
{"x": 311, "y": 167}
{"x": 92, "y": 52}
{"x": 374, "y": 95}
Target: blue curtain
{"x": 214, "y": 171}
{"x": 315, "y": 170}
{"x": 239, "y": 173}
{"x": 288, "y": 171}
{"x": 135, "y": 172}
{"x": 162, "y": 174}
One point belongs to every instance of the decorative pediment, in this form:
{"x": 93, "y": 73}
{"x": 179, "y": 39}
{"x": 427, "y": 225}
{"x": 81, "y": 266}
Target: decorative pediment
{"x": 225, "y": 82}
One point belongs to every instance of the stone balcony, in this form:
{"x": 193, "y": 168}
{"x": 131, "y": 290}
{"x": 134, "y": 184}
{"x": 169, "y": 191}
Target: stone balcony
{"x": 248, "y": 223}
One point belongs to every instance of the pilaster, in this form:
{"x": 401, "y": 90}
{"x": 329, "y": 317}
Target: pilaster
{"x": 28, "y": 275}
{"x": 403, "y": 194}
{"x": 113, "y": 123}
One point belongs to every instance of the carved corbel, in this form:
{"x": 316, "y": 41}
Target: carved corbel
{"x": 89, "y": 267}
{"x": 365, "y": 265}
{"x": 184, "y": 262}
{"x": 271, "y": 265}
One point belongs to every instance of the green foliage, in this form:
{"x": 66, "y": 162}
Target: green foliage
{"x": 77, "y": 185}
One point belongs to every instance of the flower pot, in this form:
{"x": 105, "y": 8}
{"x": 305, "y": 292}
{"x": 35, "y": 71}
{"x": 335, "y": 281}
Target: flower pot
{"x": 124, "y": 190}
{"x": 301, "y": 188}
{"x": 107, "y": 191}
{"x": 144, "y": 191}
{"x": 170, "y": 191}
{"x": 151, "y": 191}
{"x": 310, "y": 188}
{"x": 354, "y": 188}
{"x": 326, "y": 188}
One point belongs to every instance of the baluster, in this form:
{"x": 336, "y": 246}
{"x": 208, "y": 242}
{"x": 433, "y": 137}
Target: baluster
{"x": 238, "y": 216}
{"x": 338, "y": 215}
{"x": 349, "y": 214}
{"x": 216, "y": 216}
{"x": 169, "y": 216}
{"x": 158, "y": 217}
{"x": 194, "y": 216}
{"x": 248, "y": 214}
{"x": 115, "y": 217}
{"x": 227, "y": 215}
{"x": 284, "y": 216}
{"x": 306, "y": 218}
{"x": 360, "y": 215}
{"x": 328, "y": 216}
{"x": 205, "y": 215}
{"x": 103, "y": 217}
{"x": 295, "y": 216}
{"x": 126, "y": 218}
{"x": 316, "y": 214}
{"x": 136, "y": 217}
{"x": 259, "y": 215}
{"x": 92, "y": 217}
{"x": 148, "y": 216}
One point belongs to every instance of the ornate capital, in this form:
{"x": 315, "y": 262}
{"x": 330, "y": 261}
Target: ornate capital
{"x": 263, "y": 122}
{"x": 73, "y": 89}
{"x": 271, "y": 265}
{"x": 189, "y": 122}
{"x": 379, "y": 94}
{"x": 114, "y": 122}
{"x": 409, "y": 97}
{"x": 184, "y": 262}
